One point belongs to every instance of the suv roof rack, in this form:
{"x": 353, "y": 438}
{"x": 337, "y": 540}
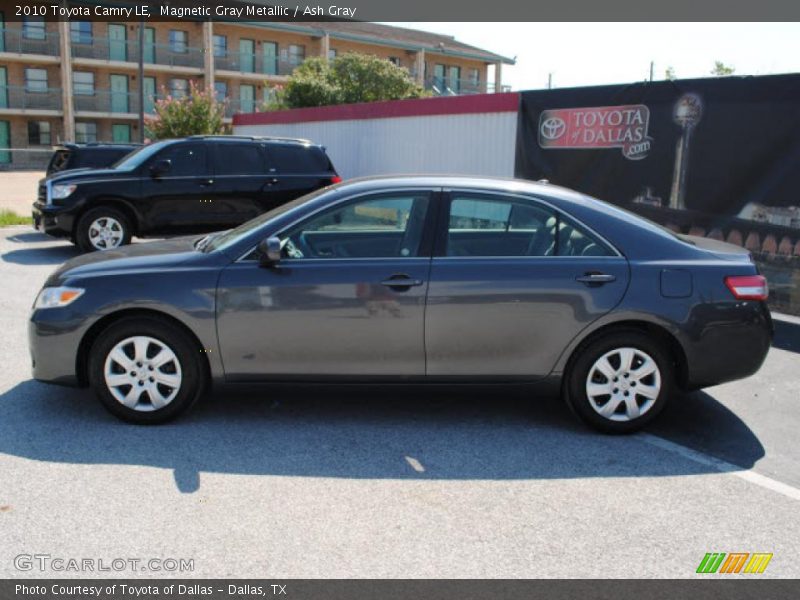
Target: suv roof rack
{"x": 254, "y": 138}
{"x": 94, "y": 144}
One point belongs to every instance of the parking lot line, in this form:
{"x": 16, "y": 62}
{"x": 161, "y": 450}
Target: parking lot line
{"x": 722, "y": 466}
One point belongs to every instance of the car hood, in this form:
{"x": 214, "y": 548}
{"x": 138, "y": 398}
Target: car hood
{"x": 148, "y": 256}
{"x": 82, "y": 174}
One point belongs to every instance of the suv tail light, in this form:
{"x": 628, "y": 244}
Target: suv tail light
{"x": 336, "y": 179}
{"x": 748, "y": 287}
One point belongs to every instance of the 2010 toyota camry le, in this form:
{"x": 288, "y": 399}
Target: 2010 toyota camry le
{"x": 411, "y": 279}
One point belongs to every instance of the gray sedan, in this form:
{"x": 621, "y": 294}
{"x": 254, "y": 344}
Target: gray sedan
{"x": 411, "y": 279}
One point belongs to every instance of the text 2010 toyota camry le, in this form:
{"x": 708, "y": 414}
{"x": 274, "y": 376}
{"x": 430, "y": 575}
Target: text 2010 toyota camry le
{"x": 442, "y": 279}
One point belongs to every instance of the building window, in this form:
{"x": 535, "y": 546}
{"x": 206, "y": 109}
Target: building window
{"x": 247, "y": 98}
{"x": 297, "y": 54}
{"x": 474, "y": 77}
{"x": 220, "y": 90}
{"x": 120, "y": 132}
{"x": 33, "y": 28}
{"x": 39, "y": 133}
{"x": 85, "y": 132}
{"x": 220, "y": 45}
{"x": 82, "y": 83}
{"x": 80, "y": 32}
{"x": 331, "y": 53}
{"x": 35, "y": 80}
{"x": 455, "y": 79}
{"x": 178, "y": 41}
{"x": 179, "y": 88}
{"x": 394, "y": 60}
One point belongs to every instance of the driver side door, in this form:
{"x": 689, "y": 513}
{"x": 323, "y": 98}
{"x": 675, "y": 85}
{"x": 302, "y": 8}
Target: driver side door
{"x": 347, "y": 299}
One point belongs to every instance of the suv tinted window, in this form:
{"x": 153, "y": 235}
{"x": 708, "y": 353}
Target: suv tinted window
{"x": 187, "y": 159}
{"x": 239, "y": 159}
{"x": 291, "y": 158}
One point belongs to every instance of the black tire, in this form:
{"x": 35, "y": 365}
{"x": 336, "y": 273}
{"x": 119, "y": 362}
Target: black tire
{"x": 82, "y": 235}
{"x": 579, "y": 371}
{"x": 193, "y": 378}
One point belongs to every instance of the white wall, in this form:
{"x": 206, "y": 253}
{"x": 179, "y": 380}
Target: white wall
{"x": 468, "y": 144}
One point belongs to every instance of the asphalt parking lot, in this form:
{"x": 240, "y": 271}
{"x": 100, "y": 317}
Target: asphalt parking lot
{"x": 399, "y": 482}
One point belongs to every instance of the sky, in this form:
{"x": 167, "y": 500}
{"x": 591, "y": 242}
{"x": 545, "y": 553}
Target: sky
{"x": 598, "y": 53}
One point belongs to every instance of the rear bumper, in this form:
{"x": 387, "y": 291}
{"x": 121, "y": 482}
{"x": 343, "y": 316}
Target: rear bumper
{"x": 726, "y": 341}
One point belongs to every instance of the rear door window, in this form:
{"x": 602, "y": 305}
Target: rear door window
{"x": 299, "y": 159}
{"x": 239, "y": 159}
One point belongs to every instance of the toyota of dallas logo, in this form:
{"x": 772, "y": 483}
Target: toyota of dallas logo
{"x": 597, "y": 127}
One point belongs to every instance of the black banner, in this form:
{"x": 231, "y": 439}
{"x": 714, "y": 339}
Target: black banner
{"x": 733, "y": 588}
{"x": 713, "y": 157}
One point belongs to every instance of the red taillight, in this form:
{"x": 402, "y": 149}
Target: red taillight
{"x": 748, "y": 287}
{"x": 336, "y": 179}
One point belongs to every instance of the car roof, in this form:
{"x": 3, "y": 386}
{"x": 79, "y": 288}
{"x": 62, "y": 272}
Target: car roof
{"x": 253, "y": 138}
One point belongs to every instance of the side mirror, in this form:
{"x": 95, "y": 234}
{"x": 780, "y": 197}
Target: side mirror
{"x": 160, "y": 167}
{"x": 270, "y": 251}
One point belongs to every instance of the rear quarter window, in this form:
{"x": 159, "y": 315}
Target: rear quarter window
{"x": 299, "y": 159}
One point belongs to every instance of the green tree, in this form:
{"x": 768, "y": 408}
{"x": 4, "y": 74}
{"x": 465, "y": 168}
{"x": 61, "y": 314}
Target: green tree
{"x": 198, "y": 113}
{"x": 669, "y": 74}
{"x": 722, "y": 70}
{"x": 346, "y": 79}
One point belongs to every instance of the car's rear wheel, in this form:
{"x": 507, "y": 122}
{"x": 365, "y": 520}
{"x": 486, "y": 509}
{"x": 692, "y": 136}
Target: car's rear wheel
{"x": 102, "y": 228}
{"x": 146, "y": 370}
{"x": 619, "y": 382}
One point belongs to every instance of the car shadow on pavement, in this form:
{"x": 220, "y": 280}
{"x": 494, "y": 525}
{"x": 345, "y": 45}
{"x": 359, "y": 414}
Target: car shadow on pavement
{"x": 48, "y": 254}
{"x": 367, "y": 432}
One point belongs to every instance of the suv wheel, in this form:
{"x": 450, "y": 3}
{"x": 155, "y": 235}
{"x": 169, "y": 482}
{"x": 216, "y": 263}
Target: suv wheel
{"x": 146, "y": 370}
{"x": 620, "y": 382}
{"x": 102, "y": 228}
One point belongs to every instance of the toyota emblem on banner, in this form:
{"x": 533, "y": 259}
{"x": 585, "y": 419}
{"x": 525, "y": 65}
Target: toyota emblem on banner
{"x": 622, "y": 127}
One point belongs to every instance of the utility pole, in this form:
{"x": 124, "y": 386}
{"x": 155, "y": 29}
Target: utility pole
{"x": 549, "y": 81}
{"x": 652, "y": 66}
{"x": 141, "y": 80}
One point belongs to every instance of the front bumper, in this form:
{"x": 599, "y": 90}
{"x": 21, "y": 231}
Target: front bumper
{"x": 54, "y": 337}
{"x": 54, "y": 220}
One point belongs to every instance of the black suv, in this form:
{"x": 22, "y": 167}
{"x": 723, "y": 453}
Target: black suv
{"x": 189, "y": 185}
{"x": 95, "y": 155}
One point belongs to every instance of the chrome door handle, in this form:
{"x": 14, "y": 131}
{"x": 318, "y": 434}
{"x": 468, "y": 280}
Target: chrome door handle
{"x": 596, "y": 278}
{"x": 401, "y": 282}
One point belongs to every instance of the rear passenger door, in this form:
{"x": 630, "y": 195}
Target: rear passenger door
{"x": 242, "y": 175}
{"x": 299, "y": 169}
{"x": 512, "y": 281}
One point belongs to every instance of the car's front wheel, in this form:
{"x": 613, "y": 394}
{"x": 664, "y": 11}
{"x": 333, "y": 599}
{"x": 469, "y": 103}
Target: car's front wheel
{"x": 102, "y": 228}
{"x": 620, "y": 382}
{"x": 146, "y": 370}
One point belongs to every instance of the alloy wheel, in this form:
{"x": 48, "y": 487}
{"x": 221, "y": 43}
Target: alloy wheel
{"x": 105, "y": 233}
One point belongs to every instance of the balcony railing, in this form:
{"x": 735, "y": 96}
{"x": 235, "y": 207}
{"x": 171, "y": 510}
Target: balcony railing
{"x": 14, "y": 39}
{"x": 107, "y": 101}
{"x": 242, "y": 62}
{"x": 19, "y": 97}
{"x": 128, "y": 51}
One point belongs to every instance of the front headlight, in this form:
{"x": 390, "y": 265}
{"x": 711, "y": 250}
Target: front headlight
{"x": 62, "y": 191}
{"x": 54, "y": 297}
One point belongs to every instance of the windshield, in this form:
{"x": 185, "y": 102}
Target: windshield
{"x": 225, "y": 239}
{"x": 137, "y": 157}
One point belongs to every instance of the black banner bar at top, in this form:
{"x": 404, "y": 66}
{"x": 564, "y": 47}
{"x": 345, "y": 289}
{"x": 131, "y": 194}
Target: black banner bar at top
{"x": 288, "y": 11}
